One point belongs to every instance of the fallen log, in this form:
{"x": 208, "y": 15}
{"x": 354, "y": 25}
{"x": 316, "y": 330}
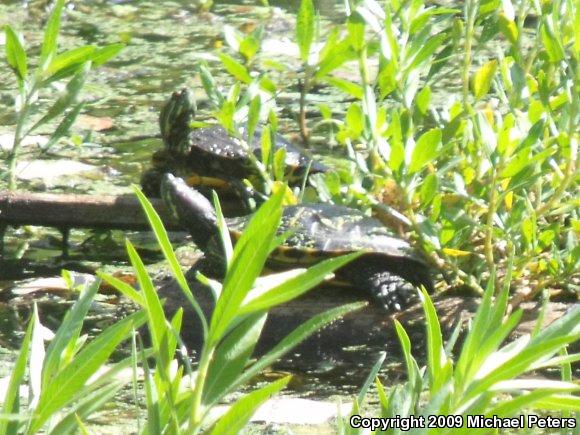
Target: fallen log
{"x": 64, "y": 211}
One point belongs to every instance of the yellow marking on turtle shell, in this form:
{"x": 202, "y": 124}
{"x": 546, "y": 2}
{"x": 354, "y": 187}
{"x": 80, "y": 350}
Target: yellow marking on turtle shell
{"x": 198, "y": 180}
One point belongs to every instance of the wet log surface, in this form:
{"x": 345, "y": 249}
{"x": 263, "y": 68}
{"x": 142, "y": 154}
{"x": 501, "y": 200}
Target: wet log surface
{"x": 78, "y": 211}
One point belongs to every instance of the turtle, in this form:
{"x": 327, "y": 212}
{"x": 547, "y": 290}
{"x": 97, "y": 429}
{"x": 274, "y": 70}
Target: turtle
{"x": 210, "y": 157}
{"x": 389, "y": 269}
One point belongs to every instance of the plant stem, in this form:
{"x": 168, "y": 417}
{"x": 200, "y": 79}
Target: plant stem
{"x": 571, "y": 164}
{"x": 470, "y": 14}
{"x": 197, "y": 414}
{"x": 13, "y": 155}
{"x": 304, "y": 89}
{"x": 491, "y": 208}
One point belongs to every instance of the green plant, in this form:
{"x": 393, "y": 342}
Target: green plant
{"x": 66, "y": 382}
{"x": 52, "y": 67}
{"x": 176, "y": 402}
{"x": 485, "y": 377}
{"x": 471, "y": 182}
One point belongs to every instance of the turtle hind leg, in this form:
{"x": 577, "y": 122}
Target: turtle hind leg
{"x": 392, "y": 292}
{"x": 392, "y": 283}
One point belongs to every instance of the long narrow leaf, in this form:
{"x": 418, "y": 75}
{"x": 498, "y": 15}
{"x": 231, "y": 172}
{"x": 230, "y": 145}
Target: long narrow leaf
{"x": 15, "y": 54}
{"x": 49, "y": 44}
{"x": 231, "y": 357}
{"x": 165, "y": 244}
{"x": 67, "y": 385}
{"x": 69, "y": 327}
{"x": 243, "y": 409}
{"x": 298, "y": 335}
{"x": 249, "y": 257}
{"x": 11, "y": 402}
{"x": 297, "y": 285}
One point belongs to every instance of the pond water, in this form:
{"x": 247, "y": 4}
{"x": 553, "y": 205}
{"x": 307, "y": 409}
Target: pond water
{"x": 118, "y": 131}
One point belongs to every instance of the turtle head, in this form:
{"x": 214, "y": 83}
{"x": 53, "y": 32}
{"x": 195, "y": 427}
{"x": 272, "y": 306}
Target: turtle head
{"x": 174, "y": 120}
{"x": 191, "y": 208}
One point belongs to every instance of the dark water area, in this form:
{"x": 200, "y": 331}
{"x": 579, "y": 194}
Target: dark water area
{"x": 118, "y": 131}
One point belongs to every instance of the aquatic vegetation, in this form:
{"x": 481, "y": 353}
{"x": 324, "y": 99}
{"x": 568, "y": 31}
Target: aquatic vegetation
{"x": 484, "y": 378}
{"x": 456, "y": 126}
{"x": 178, "y": 402}
{"x": 461, "y": 130}
{"x": 53, "y": 67}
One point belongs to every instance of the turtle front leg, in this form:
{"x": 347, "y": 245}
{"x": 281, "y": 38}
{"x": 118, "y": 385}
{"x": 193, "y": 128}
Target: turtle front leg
{"x": 392, "y": 292}
{"x": 391, "y": 283}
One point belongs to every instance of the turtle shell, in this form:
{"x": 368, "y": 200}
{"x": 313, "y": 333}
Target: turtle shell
{"x": 319, "y": 231}
{"x": 212, "y": 150}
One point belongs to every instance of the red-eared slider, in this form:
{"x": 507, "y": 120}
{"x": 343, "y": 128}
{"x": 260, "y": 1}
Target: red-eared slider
{"x": 209, "y": 156}
{"x": 388, "y": 270}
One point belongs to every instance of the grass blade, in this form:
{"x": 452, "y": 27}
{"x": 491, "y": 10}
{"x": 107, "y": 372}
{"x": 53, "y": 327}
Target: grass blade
{"x": 165, "y": 244}
{"x": 243, "y": 409}
{"x": 11, "y": 402}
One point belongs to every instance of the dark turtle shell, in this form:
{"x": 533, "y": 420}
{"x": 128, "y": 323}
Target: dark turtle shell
{"x": 212, "y": 151}
{"x": 326, "y": 230}
{"x": 388, "y": 268}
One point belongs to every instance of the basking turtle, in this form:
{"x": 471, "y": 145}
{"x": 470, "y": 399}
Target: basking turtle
{"x": 388, "y": 270}
{"x": 209, "y": 156}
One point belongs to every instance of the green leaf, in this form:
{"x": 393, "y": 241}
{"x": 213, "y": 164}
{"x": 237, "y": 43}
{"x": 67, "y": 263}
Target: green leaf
{"x": 251, "y": 44}
{"x": 86, "y": 407}
{"x": 335, "y": 58}
{"x": 15, "y": 54}
{"x": 348, "y": 87}
{"x": 426, "y": 51}
{"x": 517, "y": 163}
{"x": 235, "y": 68}
{"x": 371, "y": 377}
{"x": 152, "y": 399}
{"x": 223, "y": 229}
{"x": 73, "y": 89}
{"x": 155, "y": 314}
{"x": 11, "y": 402}
{"x": 64, "y": 126}
{"x": 266, "y": 146}
{"x": 426, "y": 149}
{"x": 231, "y": 356}
{"x": 253, "y": 117}
{"x": 509, "y": 29}
{"x": 482, "y": 79}
{"x": 294, "y": 338}
{"x": 49, "y": 44}
{"x": 412, "y": 368}
{"x": 209, "y": 85}
{"x": 428, "y": 189}
{"x": 279, "y": 164}
{"x": 552, "y": 43}
{"x": 438, "y": 361}
{"x": 69, "y": 328}
{"x": 74, "y": 57}
{"x": 165, "y": 245}
{"x": 356, "y": 31}
{"x": 355, "y": 121}
{"x": 423, "y": 99}
{"x": 305, "y": 27}
{"x": 297, "y": 285}
{"x": 576, "y": 27}
{"x": 127, "y": 290}
{"x": 242, "y": 410}
{"x": 103, "y": 54}
{"x": 249, "y": 257}
{"x": 68, "y": 384}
